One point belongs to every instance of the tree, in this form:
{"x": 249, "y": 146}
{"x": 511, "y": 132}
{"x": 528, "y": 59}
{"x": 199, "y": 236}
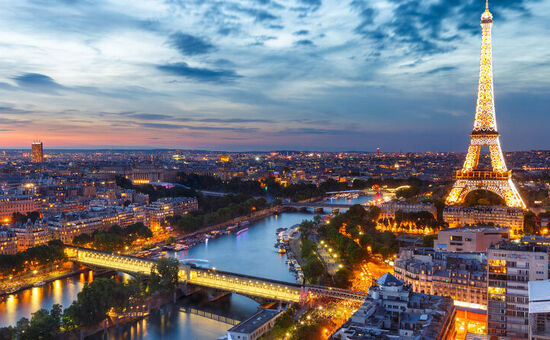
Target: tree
{"x": 44, "y": 325}
{"x": 164, "y": 274}
{"x": 313, "y": 268}
{"x": 342, "y": 278}
{"x": 92, "y": 303}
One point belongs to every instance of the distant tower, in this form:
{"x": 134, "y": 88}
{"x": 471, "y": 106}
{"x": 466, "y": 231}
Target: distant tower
{"x": 37, "y": 152}
{"x": 498, "y": 179}
{"x": 378, "y": 152}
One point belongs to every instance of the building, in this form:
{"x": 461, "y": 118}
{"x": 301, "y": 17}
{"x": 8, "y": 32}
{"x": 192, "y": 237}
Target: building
{"x": 474, "y": 239}
{"x": 31, "y": 235}
{"x": 146, "y": 175}
{"x": 510, "y": 267}
{"x": 65, "y": 227}
{"x": 8, "y": 242}
{"x": 539, "y": 310}
{"x": 388, "y": 209}
{"x": 462, "y": 276}
{"x": 14, "y": 204}
{"x": 163, "y": 208}
{"x": 255, "y": 326}
{"x": 512, "y": 218}
{"x": 37, "y": 152}
{"x": 393, "y": 311}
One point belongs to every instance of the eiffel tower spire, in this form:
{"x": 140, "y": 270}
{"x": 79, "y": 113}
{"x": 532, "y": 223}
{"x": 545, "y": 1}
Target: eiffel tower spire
{"x": 499, "y": 178}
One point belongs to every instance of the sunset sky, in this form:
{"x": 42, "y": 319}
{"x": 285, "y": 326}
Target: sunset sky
{"x": 269, "y": 74}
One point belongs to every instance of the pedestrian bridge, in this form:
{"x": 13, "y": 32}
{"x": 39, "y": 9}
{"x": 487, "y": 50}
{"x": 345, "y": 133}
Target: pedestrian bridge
{"x": 237, "y": 283}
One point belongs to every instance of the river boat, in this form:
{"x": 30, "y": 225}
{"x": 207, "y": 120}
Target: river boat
{"x": 180, "y": 247}
{"x": 242, "y": 231}
{"x": 39, "y": 283}
{"x": 244, "y": 223}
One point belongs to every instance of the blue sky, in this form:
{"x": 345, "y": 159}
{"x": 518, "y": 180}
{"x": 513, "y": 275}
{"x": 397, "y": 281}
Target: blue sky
{"x": 269, "y": 74}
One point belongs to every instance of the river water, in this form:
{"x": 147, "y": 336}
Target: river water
{"x": 250, "y": 253}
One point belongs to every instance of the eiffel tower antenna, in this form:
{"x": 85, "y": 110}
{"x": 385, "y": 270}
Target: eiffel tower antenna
{"x": 498, "y": 179}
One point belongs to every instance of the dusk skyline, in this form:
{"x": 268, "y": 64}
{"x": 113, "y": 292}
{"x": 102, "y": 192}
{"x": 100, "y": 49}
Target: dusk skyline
{"x": 265, "y": 75}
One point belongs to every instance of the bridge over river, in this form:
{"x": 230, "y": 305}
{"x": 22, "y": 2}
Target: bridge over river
{"x": 251, "y": 286}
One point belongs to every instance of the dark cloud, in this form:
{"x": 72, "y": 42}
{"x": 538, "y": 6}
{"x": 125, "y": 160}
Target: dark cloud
{"x": 151, "y": 116}
{"x": 190, "y": 45}
{"x": 301, "y": 32}
{"x": 233, "y": 120}
{"x": 14, "y": 111}
{"x": 313, "y": 131}
{"x": 259, "y": 15}
{"x": 304, "y": 42}
{"x": 424, "y": 29}
{"x": 440, "y": 70}
{"x": 160, "y": 125}
{"x": 181, "y": 69}
{"x": 37, "y": 82}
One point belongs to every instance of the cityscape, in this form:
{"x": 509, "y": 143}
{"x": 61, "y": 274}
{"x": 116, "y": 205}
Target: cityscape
{"x": 176, "y": 208}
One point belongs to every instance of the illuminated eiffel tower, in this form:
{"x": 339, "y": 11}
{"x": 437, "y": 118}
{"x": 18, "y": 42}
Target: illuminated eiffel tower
{"x": 471, "y": 177}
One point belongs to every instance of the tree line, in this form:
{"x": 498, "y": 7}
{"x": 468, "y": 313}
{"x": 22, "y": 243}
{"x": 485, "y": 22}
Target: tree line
{"x": 115, "y": 238}
{"x": 42, "y": 255}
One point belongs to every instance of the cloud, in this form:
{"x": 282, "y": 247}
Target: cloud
{"x": 190, "y": 45}
{"x": 37, "y": 82}
{"x": 440, "y": 70}
{"x": 233, "y": 120}
{"x": 151, "y": 116}
{"x": 301, "y": 32}
{"x": 182, "y": 69}
{"x": 304, "y": 42}
{"x": 160, "y": 125}
{"x": 14, "y": 111}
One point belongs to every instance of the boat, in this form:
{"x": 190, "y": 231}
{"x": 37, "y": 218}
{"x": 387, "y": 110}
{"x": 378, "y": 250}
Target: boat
{"x": 242, "y": 231}
{"x": 39, "y": 283}
{"x": 282, "y": 250}
{"x": 244, "y": 223}
{"x": 180, "y": 247}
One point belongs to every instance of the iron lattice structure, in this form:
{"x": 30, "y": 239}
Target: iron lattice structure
{"x": 498, "y": 179}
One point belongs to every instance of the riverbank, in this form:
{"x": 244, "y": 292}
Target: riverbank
{"x": 52, "y": 276}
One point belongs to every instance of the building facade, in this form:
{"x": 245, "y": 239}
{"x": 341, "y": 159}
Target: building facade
{"x": 23, "y": 205}
{"x": 388, "y": 209}
{"x": 459, "y": 216}
{"x": 462, "y": 276}
{"x": 37, "y": 152}
{"x": 469, "y": 239}
{"x": 510, "y": 267}
{"x": 8, "y": 242}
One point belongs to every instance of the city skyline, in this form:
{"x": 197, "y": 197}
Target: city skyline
{"x": 296, "y": 75}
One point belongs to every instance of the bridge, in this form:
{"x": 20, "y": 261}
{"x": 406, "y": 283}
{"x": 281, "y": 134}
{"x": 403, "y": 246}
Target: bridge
{"x": 251, "y": 286}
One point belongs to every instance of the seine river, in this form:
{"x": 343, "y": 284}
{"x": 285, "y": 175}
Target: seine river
{"x": 250, "y": 253}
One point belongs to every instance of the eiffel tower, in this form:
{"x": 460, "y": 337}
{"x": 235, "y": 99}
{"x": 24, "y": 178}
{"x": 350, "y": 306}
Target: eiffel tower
{"x": 471, "y": 177}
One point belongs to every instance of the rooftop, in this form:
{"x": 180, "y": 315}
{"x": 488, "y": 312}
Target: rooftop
{"x": 476, "y": 229}
{"x": 539, "y": 296}
{"x": 512, "y": 246}
{"x": 255, "y": 321}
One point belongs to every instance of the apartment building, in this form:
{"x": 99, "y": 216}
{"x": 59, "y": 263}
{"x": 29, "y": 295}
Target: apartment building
{"x": 473, "y": 239}
{"x": 462, "y": 276}
{"x": 458, "y": 216}
{"x": 510, "y": 267}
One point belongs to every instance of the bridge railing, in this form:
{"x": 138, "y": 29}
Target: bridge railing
{"x": 238, "y": 283}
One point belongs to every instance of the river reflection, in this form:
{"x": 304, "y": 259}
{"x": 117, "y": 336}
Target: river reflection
{"x": 22, "y": 304}
{"x": 250, "y": 253}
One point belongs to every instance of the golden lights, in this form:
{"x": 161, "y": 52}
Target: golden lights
{"x": 498, "y": 179}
